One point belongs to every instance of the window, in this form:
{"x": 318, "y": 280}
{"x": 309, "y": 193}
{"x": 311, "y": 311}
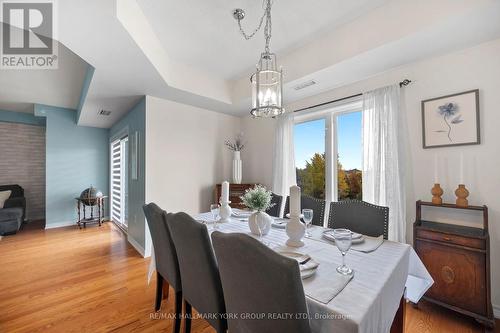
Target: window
{"x": 349, "y": 154}
{"x": 119, "y": 182}
{"x": 318, "y": 138}
{"x": 309, "y": 140}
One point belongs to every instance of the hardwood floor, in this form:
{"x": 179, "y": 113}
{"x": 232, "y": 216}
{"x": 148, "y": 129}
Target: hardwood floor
{"x": 92, "y": 280}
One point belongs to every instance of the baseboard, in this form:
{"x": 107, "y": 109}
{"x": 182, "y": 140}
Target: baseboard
{"x": 137, "y": 246}
{"x": 65, "y": 224}
{"x": 496, "y": 311}
{"x": 59, "y": 224}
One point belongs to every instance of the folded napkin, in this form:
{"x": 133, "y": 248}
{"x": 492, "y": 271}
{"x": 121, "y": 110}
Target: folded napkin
{"x": 311, "y": 264}
{"x": 369, "y": 245}
{"x": 323, "y": 289}
{"x": 306, "y": 263}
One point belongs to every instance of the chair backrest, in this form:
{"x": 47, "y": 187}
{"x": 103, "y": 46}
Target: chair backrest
{"x": 165, "y": 255}
{"x": 359, "y": 216}
{"x": 317, "y": 205}
{"x": 276, "y": 209}
{"x": 257, "y": 280}
{"x": 201, "y": 285}
{"x": 17, "y": 191}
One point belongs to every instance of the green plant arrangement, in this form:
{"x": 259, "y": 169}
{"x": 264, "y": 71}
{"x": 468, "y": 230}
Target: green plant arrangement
{"x": 257, "y": 198}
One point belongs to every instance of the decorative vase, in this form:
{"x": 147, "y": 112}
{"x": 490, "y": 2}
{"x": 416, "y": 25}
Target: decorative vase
{"x": 225, "y": 211}
{"x": 262, "y": 220}
{"x": 437, "y": 192}
{"x": 462, "y": 193}
{"x": 237, "y": 166}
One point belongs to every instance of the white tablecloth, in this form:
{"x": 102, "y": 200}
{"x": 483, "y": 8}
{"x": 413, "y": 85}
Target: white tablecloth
{"x": 370, "y": 301}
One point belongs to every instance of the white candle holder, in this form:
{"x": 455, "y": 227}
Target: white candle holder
{"x": 225, "y": 211}
{"x": 295, "y": 231}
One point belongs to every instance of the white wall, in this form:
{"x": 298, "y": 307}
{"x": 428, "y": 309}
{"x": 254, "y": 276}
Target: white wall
{"x": 258, "y": 153}
{"x": 185, "y": 154}
{"x": 477, "y": 67}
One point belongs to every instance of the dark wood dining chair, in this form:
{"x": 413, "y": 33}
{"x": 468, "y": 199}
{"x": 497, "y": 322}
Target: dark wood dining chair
{"x": 359, "y": 216}
{"x": 308, "y": 202}
{"x": 167, "y": 265}
{"x": 201, "y": 285}
{"x": 258, "y": 280}
{"x": 276, "y": 209}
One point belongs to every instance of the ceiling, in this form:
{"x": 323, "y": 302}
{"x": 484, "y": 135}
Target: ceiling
{"x": 205, "y": 35}
{"x": 192, "y": 52}
{"x": 20, "y": 89}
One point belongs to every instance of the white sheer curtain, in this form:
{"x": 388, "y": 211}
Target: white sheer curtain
{"x": 383, "y": 158}
{"x": 284, "y": 174}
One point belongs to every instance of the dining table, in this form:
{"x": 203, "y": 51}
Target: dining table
{"x": 369, "y": 302}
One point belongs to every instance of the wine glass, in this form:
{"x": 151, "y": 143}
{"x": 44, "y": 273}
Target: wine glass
{"x": 214, "y": 208}
{"x": 261, "y": 223}
{"x": 343, "y": 240}
{"x": 308, "y": 217}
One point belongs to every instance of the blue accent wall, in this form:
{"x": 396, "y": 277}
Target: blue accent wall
{"x": 76, "y": 157}
{"x": 21, "y": 117}
{"x": 135, "y": 122}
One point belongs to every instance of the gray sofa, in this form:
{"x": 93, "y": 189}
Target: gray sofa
{"x": 13, "y": 212}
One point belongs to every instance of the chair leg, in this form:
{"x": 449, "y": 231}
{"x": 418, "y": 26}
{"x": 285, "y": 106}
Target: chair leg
{"x": 159, "y": 291}
{"x": 178, "y": 312}
{"x": 187, "y": 318}
{"x": 166, "y": 289}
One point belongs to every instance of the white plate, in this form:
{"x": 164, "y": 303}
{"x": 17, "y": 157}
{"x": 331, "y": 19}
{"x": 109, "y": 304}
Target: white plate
{"x": 304, "y": 274}
{"x": 288, "y": 215}
{"x": 294, "y": 255}
{"x": 329, "y": 236}
{"x": 279, "y": 223}
{"x": 355, "y": 235}
{"x": 307, "y": 273}
{"x": 241, "y": 213}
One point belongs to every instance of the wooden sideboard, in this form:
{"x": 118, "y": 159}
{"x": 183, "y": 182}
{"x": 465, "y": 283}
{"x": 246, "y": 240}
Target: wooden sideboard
{"x": 458, "y": 259}
{"x": 235, "y": 192}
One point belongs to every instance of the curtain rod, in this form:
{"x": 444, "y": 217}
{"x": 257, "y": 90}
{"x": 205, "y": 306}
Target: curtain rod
{"x": 402, "y": 84}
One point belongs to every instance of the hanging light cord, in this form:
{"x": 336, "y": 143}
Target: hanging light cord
{"x": 267, "y": 4}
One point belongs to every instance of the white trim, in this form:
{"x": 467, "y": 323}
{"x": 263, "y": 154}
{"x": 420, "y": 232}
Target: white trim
{"x": 68, "y": 223}
{"x": 496, "y": 311}
{"x": 351, "y": 105}
{"x": 60, "y": 224}
{"x": 148, "y": 241}
{"x": 123, "y": 132}
{"x": 331, "y": 162}
{"x": 136, "y": 245}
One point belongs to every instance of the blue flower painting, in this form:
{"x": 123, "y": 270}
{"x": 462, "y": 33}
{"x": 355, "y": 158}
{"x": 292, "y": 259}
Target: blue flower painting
{"x": 451, "y": 116}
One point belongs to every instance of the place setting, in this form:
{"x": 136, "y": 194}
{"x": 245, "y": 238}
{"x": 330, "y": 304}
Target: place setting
{"x": 360, "y": 243}
{"x": 332, "y": 278}
{"x": 307, "y": 264}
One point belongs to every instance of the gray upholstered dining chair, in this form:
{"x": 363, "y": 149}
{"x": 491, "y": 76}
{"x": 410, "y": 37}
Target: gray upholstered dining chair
{"x": 258, "y": 280}
{"x": 201, "y": 285}
{"x": 276, "y": 209}
{"x": 359, "y": 216}
{"x": 167, "y": 266}
{"x": 308, "y": 202}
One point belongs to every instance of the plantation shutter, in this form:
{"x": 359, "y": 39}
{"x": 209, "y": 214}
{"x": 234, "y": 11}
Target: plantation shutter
{"x": 116, "y": 181}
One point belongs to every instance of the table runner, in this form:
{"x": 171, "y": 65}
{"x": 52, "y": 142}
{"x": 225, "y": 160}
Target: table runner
{"x": 369, "y": 302}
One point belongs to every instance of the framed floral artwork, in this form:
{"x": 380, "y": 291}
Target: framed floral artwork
{"x": 451, "y": 120}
